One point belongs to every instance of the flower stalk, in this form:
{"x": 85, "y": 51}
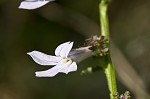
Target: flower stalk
{"x": 106, "y": 62}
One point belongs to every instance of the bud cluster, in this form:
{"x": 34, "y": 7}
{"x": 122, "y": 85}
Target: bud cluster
{"x": 125, "y": 95}
{"x": 99, "y": 45}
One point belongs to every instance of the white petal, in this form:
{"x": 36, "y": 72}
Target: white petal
{"x": 44, "y": 59}
{"x": 73, "y": 67}
{"x": 33, "y": 4}
{"x": 50, "y": 72}
{"x": 60, "y": 47}
{"x": 61, "y": 67}
{"x": 65, "y": 51}
{"x": 69, "y": 68}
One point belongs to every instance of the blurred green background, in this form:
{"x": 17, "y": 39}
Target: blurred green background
{"x": 43, "y": 29}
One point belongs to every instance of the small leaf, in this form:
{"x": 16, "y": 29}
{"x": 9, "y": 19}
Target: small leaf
{"x": 90, "y": 70}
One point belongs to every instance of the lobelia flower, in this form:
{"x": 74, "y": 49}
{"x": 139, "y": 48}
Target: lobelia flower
{"x": 33, "y": 4}
{"x": 64, "y": 60}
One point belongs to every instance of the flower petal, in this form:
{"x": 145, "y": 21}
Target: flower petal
{"x": 60, "y": 47}
{"x": 69, "y": 68}
{"x": 44, "y": 59}
{"x": 65, "y": 51}
{"x": 50, "y": 72}
{"x": 61, "y": 67}
{"x": 33, "y": 4}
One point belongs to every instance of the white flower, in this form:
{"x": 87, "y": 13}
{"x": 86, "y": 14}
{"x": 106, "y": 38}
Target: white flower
{"x": 33, "y": 4}
{"x": 63, "y": 61}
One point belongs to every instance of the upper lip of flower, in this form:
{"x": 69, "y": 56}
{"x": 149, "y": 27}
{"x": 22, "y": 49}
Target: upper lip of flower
{"x": 61, "y": 60}
{"x": 63, "y": 49}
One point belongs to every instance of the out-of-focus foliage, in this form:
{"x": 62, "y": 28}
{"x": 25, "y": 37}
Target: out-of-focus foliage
{"x": 44, "y": 29}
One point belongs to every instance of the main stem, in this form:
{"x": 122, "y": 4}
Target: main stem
{"x": 106, "y": 60}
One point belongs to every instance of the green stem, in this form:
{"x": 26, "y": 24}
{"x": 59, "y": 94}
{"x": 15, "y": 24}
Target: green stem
{"x": 103, "y": 6}
{"x": 106, "y": 60}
